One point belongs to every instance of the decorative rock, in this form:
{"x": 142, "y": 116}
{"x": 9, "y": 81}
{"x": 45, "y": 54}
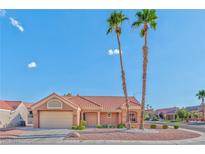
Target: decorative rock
{"x": 73, "y": 135}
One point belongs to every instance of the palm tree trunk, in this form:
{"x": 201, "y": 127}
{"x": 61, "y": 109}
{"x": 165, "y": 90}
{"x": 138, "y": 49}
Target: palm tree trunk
{"x": 123, "y": 80}
{"x": 144, "y": 78}
{"x": 203, "y": 115}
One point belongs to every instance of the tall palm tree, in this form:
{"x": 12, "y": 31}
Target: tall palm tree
{"x": 146, "y": 19}
{"x": 114, "y": 21}
{"x": 201, "y": 95}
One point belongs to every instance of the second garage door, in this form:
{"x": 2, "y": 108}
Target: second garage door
{"x": 91, "y": 119}
{"x": 55, "y": 119}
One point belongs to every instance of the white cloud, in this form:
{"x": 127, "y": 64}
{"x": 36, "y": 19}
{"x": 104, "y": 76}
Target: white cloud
{"x": 32, "y": 65}
{"x": 110, "y": 52}
{"x": 113, "y": 52}
{"x": 2, "y": 12}
{"x": 116, "y": 52}
{"x": 16, "y": 23}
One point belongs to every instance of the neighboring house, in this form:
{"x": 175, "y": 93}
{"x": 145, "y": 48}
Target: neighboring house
{"x": 167, "y": 113}
{"x": 13, "y": 113}
{"x": 194, "y": 108}
{"x": 57, "y": 111}
{"x": 196, "y": 112}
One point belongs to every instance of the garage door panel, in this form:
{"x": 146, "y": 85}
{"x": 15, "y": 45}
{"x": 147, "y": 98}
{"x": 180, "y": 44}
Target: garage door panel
{"x": 55, "y": 119}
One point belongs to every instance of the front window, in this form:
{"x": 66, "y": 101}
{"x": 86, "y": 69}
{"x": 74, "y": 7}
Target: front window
{"x": 132, "y": 116}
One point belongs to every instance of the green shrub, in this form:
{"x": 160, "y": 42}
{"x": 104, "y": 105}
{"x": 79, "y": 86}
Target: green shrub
{"x": 155, "y": 118}
{"x": 105, "y": 126}
{"x": 81, "y": 127}
{"x": 99, "y": 126}
{"x": 146, "y": 118}
{"x": 74, "y": 127}
{"x": 165, "y": 126}
{"x": 121, "y": 126}
{"x": 176, "y": 126}
{"x": 111, "y": 126}
{"x": 83, "y": 123}
{"x": 153, "y": 126}
{"x": 178, "y": 119}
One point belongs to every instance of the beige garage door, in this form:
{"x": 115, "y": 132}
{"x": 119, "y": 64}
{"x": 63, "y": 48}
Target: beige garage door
{"x": 55, "y": 119}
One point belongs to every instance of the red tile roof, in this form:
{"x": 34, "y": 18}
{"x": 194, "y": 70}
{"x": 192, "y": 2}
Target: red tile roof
{"x": 106, "y": 103}
{"x": 12, "y": 105}
{"x": 5, "y": 106}
{"x": 83, "y": 103}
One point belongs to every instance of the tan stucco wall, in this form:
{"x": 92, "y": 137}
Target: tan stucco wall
{"x": 104, "y": 119}
{"x": 4, "y": 118}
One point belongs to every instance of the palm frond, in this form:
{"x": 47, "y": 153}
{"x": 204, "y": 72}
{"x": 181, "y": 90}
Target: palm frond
{"x": 153, "y": 25}
{"x": 146, "y": 16}
{"x": 137, "y": 23}
{"x": 201, "y": 94}
{"x": 110, "y": 29}
{"x": 142, "y": 32}
{"x": 115, "y": 19}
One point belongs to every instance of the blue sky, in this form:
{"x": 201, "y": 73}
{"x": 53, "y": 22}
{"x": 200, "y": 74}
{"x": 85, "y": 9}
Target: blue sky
{"x": 69, "y": 51}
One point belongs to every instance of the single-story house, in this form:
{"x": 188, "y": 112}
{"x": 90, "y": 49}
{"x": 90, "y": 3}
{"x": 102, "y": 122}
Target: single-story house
{"x": 196, "y": 108}
{"x": 57, "y": 111}
{"x": 13, "y": 113}
{"x": 167, "y": 113}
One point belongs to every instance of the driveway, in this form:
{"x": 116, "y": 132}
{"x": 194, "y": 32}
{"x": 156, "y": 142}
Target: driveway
{"x": 38, "y": 136}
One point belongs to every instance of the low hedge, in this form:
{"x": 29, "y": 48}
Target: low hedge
{"x": 153, "y": 126}
{"x": 121, "y": 126}
{"x": 165, "y": 126}
{"x": 80, "y": 127}
{"x": 99, "y": 126}
{"x": 105, "y": 126}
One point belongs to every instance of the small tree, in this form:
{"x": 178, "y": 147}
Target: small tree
{"x": 182, "y": 113}
{"x": 68, "y": 94}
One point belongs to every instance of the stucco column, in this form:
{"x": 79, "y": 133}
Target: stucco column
{"x": 35, "y": 119}
{"x": 98, "y": 118}
{"x": 119, "y": 117}
{"x": 76, "y": 117}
